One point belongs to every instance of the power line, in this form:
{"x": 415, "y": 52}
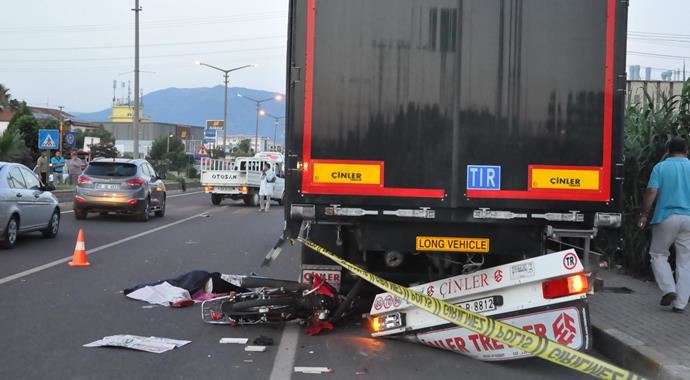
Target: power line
{"x": 92, "y": 59}
{"x": 658, "y": 55}
{"x": 146, "y": 45}
{"x": 161, "y": 24}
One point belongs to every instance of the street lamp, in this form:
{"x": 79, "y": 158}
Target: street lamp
{"x": 277, "y": 98}
{"x": 276, "y": 119}
{"x": 225, "y": 72}
{"x": 167, "y": 149}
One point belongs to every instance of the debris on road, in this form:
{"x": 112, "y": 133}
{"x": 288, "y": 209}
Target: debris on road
{"x": 151, "y": 344}
{"x": 313, "y": 370}
{"x": 234, "y": 340}
{"x": 184, "y": 290}
{"x": 255, "y": 348}
{"x": 263, "y": 341}
{"x": 361, "y": 371}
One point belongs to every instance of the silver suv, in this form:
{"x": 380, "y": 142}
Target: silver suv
{"x": 120, "y": 185}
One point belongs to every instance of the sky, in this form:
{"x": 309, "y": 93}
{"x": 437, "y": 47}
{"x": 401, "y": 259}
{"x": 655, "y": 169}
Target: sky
{"x": 69, "y": 52}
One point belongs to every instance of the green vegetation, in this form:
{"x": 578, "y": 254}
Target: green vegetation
{"x": 243, "y": 149}
{"x": 648, "y": 128}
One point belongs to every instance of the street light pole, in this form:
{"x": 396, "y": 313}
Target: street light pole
{"x": 226, "y": 73}
{"x": 258, "y": 112}
{"x": 275, "y": 127}
{"x": 135, "y": 118}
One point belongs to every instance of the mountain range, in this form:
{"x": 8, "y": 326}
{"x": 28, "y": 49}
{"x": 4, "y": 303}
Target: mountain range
{"x": 193, "y": 106}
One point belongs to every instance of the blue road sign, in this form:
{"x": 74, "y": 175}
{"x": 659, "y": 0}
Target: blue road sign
{"x": 71, "y": 139}
{"x": 482, "y": 177}
{"x": 48, "y": 139}
{"x": 210, "y": 133}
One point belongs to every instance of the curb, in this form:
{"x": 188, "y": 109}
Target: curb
{"x": 636, "y": 356}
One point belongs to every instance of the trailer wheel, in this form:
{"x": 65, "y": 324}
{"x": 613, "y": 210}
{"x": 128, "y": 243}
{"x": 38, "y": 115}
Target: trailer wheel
{"x": 216, "y": 199}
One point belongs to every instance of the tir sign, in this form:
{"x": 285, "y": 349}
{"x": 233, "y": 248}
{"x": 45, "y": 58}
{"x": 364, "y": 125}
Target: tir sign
{"x": 481, "y": 177}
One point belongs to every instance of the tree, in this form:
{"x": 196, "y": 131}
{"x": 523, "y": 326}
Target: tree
{"x": 176, "y": 157}
{"x": 12, "y": 147}
{"x": 5, "y": 97}
{"x": 105, "y": 150}
{"x": 244, "y": 148}
{"x": 103, "y": 134}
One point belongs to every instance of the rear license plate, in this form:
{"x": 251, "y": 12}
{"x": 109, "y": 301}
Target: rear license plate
{"x": 479, "y": 305}
{"x": 106, "y": 186}
{"x": 452, "y": 244}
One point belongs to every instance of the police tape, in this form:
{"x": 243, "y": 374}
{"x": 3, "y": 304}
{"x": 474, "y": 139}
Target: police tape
{"x": 515, "y": 337}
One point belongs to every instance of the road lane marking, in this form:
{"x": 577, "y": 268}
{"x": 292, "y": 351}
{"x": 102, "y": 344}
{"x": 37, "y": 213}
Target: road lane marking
{"x": 285, "y": 358}
{"x": 97, "y": 249}
{"x": 171, "y": 196}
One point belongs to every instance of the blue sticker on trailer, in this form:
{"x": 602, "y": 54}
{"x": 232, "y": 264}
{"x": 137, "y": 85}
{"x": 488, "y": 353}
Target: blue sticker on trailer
{"x": 483, "y": 177}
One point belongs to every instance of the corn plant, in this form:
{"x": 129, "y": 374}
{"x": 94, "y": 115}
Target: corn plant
{"x": 648, "y": 129}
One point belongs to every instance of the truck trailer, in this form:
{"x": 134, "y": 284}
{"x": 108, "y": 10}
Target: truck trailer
{"x": 427, "y": 139}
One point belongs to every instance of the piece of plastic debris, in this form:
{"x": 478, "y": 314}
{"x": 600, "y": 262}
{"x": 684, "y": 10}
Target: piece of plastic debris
{"x": 263, "y": 341}
{"x": 361, "y": 371}
{"x": 313, "y": 370}
{"x": 234, "y": 340}
{"x": 248, "y": 361}
{"x": 311, "y": 352}
{"x": 255, "y": 348}
{"x": 152, "y": 344}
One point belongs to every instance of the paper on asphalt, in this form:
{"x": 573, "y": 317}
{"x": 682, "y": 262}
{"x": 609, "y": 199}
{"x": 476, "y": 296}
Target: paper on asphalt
{"x": 151, "y": 344}
{"x": 162, "y": 294}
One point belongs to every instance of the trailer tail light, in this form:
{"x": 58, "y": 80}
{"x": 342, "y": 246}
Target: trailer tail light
{"x": 387, "y": 322}
{"x": 134, "y": 183}
{"x": 565, "y": 286}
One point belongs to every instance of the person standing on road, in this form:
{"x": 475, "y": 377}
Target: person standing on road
{"x": 57, "y": 164}
{"x": 42, "y": 167}
{"x": 669, "y": 185}
{"x": 74, "y": 165}
{"x": 268, "y": 179}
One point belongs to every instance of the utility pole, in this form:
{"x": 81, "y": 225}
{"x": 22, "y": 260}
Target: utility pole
{"x": 61, "y": 128}
{"x": 135, "y": 118}
{"x": 225, "y": 112}
{"x": 275, "y": 128}
{"x": 259, "y": 113}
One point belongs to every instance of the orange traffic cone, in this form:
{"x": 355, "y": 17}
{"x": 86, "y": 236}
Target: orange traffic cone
{"x": 79, "y": 258}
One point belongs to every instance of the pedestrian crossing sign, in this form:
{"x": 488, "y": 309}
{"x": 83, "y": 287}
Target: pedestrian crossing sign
{"x": 48, "y": 139}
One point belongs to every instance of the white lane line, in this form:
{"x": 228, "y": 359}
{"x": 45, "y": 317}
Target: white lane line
{"x": 172, "y": 196}
{"x": 285, "y": 358}
{"x": 97, "y": 249}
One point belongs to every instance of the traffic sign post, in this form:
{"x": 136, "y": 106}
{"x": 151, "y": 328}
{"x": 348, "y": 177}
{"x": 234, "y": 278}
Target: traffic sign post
{"x": 201, "y": 152}
{"x": 71, "y": 139}
{"x": 48, "y": 139}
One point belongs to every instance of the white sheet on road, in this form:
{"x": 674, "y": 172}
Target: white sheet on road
{"x": 162, "y": 294}
{"x": 151, "y": 344}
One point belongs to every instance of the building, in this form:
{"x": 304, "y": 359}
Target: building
{"x": 150, "y": 131}
{"x": 45, "y": 113}
{"x": 656, "y": 89}
{"x": 5, "y": 117}
{"x": 266, "y": 144}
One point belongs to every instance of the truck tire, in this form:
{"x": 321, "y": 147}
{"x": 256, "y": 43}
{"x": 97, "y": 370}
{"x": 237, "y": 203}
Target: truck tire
{"x": 252, "y": 199}
{"x": 216, "y": 199}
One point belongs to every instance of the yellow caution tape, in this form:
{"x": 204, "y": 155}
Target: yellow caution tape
{"x": 490, "y": 328}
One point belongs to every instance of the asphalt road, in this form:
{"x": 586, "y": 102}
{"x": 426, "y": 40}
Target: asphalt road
{"x": 49, "y": 310}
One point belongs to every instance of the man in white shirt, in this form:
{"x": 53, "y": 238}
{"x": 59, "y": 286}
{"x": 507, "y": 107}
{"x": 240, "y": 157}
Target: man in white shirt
{"x": 268, "y": 180}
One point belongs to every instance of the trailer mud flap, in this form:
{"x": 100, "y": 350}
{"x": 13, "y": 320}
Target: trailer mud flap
{"x": 488, "y": 327}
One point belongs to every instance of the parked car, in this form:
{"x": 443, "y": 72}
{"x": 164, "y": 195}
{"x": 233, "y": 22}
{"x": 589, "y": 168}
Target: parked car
{"x": 121, "y": 186}
{"x": 26, "y": 205}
